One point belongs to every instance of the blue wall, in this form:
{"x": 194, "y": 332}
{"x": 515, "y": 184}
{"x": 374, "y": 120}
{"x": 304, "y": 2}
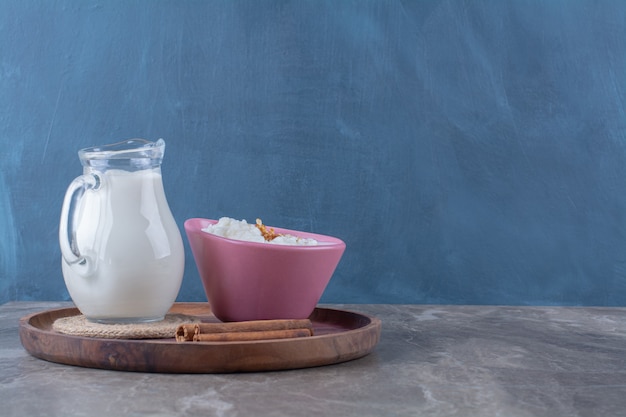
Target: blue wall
{"x": 467, "y": 152}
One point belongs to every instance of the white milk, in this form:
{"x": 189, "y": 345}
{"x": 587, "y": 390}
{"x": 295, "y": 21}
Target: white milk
{"x": 127, "y": 230}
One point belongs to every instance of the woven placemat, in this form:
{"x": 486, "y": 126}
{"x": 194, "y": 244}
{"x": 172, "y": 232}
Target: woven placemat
{"x": 80, "y": 326}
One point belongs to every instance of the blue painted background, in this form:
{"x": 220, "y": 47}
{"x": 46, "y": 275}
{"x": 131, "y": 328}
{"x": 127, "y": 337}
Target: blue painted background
{"x": 466, "y": 151}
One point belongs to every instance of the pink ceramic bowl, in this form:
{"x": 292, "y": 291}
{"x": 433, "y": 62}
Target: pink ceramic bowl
{"x": 260, "y": 281}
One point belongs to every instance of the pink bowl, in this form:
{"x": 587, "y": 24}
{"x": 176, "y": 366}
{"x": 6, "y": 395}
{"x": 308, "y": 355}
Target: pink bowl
{"x": 260, "y": 281}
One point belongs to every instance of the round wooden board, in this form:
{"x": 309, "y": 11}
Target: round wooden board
{"x": 340, "y": 336}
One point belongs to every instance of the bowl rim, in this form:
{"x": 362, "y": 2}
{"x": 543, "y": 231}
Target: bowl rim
{"x": 325, "y": 242}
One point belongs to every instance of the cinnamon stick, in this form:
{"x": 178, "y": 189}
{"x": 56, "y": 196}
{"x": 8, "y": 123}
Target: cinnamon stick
{"x": 247, "y": 336}
{"x": 185, "y": 332}
{"x": 192, "y": 331}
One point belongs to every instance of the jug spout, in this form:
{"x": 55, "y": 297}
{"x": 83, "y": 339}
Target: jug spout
{"x": 131, "y": 154}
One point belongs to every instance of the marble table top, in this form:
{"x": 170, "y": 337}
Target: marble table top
{"x": 432, "y": 360}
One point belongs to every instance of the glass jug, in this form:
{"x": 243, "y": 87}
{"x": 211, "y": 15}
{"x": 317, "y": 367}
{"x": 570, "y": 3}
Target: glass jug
{"x": 122, "y": 252}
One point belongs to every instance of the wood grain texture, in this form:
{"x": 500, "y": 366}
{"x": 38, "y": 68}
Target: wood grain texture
{"x": 339, "y": 336}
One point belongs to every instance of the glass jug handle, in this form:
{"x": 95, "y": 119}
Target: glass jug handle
{"x": 67, "y": 233}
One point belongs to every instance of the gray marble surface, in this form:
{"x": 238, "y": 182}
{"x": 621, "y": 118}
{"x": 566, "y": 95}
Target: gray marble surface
{"x": 430, "y": 361}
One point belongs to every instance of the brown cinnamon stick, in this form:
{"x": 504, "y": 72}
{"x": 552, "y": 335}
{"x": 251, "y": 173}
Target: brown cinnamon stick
{"x": 192, "y": 331}
{"x": 246, "y": 336}
{"x": 185, "y": 332}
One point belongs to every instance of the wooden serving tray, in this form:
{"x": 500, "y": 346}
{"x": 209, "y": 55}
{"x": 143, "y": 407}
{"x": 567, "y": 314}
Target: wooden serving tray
{"x": 339, "y": 336}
